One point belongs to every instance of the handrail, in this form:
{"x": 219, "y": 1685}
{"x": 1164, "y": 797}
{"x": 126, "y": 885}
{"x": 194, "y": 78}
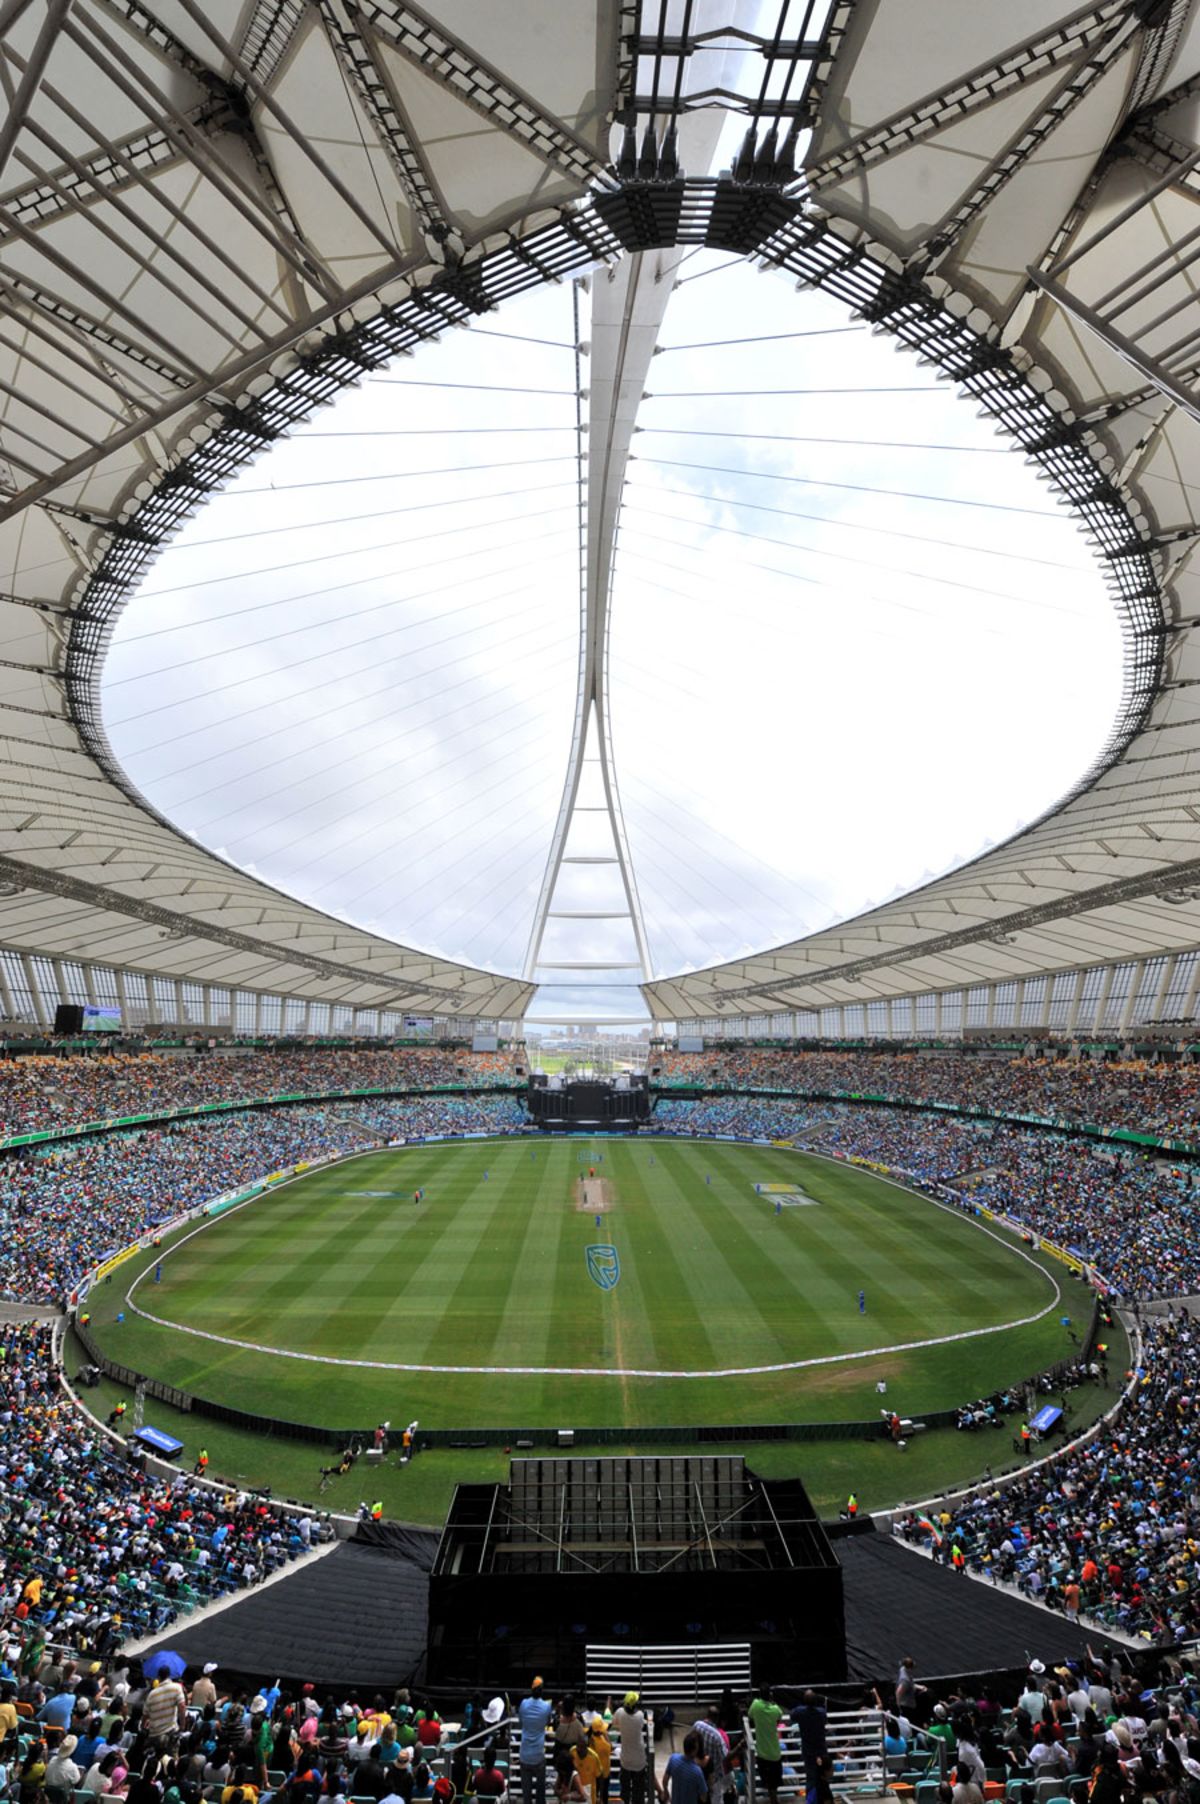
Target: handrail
{"x": 854, "y": 1739}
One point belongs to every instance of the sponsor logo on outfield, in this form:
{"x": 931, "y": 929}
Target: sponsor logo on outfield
{"x": 604, "y": 1266}
{"x": 787, "y": 1196}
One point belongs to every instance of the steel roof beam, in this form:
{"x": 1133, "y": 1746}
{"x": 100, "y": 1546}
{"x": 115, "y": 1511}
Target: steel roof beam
{"x": 128, "y": 76}
{"x": 20, "y": 102}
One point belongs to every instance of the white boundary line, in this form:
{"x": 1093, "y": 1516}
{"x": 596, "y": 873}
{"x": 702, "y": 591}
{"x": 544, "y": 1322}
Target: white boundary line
{"x": 792, "y": 1365}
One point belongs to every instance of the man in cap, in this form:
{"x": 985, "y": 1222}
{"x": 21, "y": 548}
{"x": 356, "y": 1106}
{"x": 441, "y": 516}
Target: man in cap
{"x": 204, "y": 1692}
{"x": 361, "y": 1747}
{"x": 1033, "y": 1698}
{"x": 941, "y": 1728}
{"x": 630, "y": 1724}
{"x": 601, "y": 1746}
{"x": 62, "y": 1774}
{"x": 534, "y": 1713}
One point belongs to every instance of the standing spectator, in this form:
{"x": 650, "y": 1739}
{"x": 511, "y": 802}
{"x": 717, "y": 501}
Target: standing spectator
{"x": 808, "y": 1718}
{"x": 163, "y": 1710}
{"x": 534, "y": 1713}
{"x": 630, "y": 1723}
{"x": 765, "y": 1716}
{"x": 601, "y": 1747}
{"x": 714, "y": 1752}
{"x": 569, "y": 1732}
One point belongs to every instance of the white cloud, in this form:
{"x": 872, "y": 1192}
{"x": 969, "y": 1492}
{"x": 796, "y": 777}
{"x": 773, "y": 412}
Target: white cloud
{"x": 357, "y": 666}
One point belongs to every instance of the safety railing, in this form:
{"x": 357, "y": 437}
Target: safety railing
{"x": 668, "y": 1674}
{"x": 854, "y": 1742}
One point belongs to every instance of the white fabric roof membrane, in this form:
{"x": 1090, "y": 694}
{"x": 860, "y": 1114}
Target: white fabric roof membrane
{"x": 216, "y": 212}
{"x": 962, "y": 186}
{"x": 192, "y": 194}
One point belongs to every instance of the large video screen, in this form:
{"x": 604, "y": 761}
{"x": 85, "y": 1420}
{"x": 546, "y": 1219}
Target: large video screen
{"x": 102, "y": 1020}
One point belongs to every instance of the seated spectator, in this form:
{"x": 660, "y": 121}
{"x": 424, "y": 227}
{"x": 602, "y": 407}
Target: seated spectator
{"x": 967, "y": 1788}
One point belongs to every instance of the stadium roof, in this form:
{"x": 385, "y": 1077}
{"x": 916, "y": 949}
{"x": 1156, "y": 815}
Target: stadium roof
{"x": 218, "y": 212}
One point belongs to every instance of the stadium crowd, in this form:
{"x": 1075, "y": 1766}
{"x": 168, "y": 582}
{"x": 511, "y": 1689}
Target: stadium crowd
{"x": 1160, "y": 1099}
{"x": 1111, "y": 1528}
{"x": 45, "y": 1092}
{"x": 1110, "y": 1727}
{"x": 93, "y": 1549}
{"x": 65, "y": 1206}
{"x": 1131, "y": 1216}
{"x": 134, "y": 1731}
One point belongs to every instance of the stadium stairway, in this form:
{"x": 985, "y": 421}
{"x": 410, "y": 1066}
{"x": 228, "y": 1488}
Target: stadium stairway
{"x": 29, "y": 1312}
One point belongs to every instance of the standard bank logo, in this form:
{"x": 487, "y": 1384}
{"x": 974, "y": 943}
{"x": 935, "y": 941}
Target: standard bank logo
{"x": 604, "y": 1266}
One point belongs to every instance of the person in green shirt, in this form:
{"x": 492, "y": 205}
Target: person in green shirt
{"x": 765, "y": 1716}
{"x": 940, "y": 1728}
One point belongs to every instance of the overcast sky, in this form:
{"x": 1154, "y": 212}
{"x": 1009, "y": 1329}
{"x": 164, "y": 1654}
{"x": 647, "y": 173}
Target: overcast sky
{"x": 354, "y": 671}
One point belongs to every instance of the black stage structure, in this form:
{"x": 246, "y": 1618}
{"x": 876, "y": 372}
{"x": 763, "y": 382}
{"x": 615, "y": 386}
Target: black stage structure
{"x": 356, "y": 1618}
{"x": 588, "y": 1105}
{"x": 638, "y": 1552}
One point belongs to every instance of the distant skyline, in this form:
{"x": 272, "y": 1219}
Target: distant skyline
{"x": 354, "y": 671}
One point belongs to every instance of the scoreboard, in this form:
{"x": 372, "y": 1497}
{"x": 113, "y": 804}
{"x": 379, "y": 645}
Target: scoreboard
{"x": 588, "y": 1105}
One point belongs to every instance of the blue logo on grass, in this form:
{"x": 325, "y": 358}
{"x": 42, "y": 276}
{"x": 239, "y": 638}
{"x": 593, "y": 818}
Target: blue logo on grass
{"x": 604, "y": 1266}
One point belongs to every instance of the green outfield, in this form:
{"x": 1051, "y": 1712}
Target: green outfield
{"x": 476, "y": 1307}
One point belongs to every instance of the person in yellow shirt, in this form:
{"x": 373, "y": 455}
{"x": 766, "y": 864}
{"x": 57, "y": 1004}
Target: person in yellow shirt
{"x": 587, "y": 1766}
{"x": 601, "y": 1747}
